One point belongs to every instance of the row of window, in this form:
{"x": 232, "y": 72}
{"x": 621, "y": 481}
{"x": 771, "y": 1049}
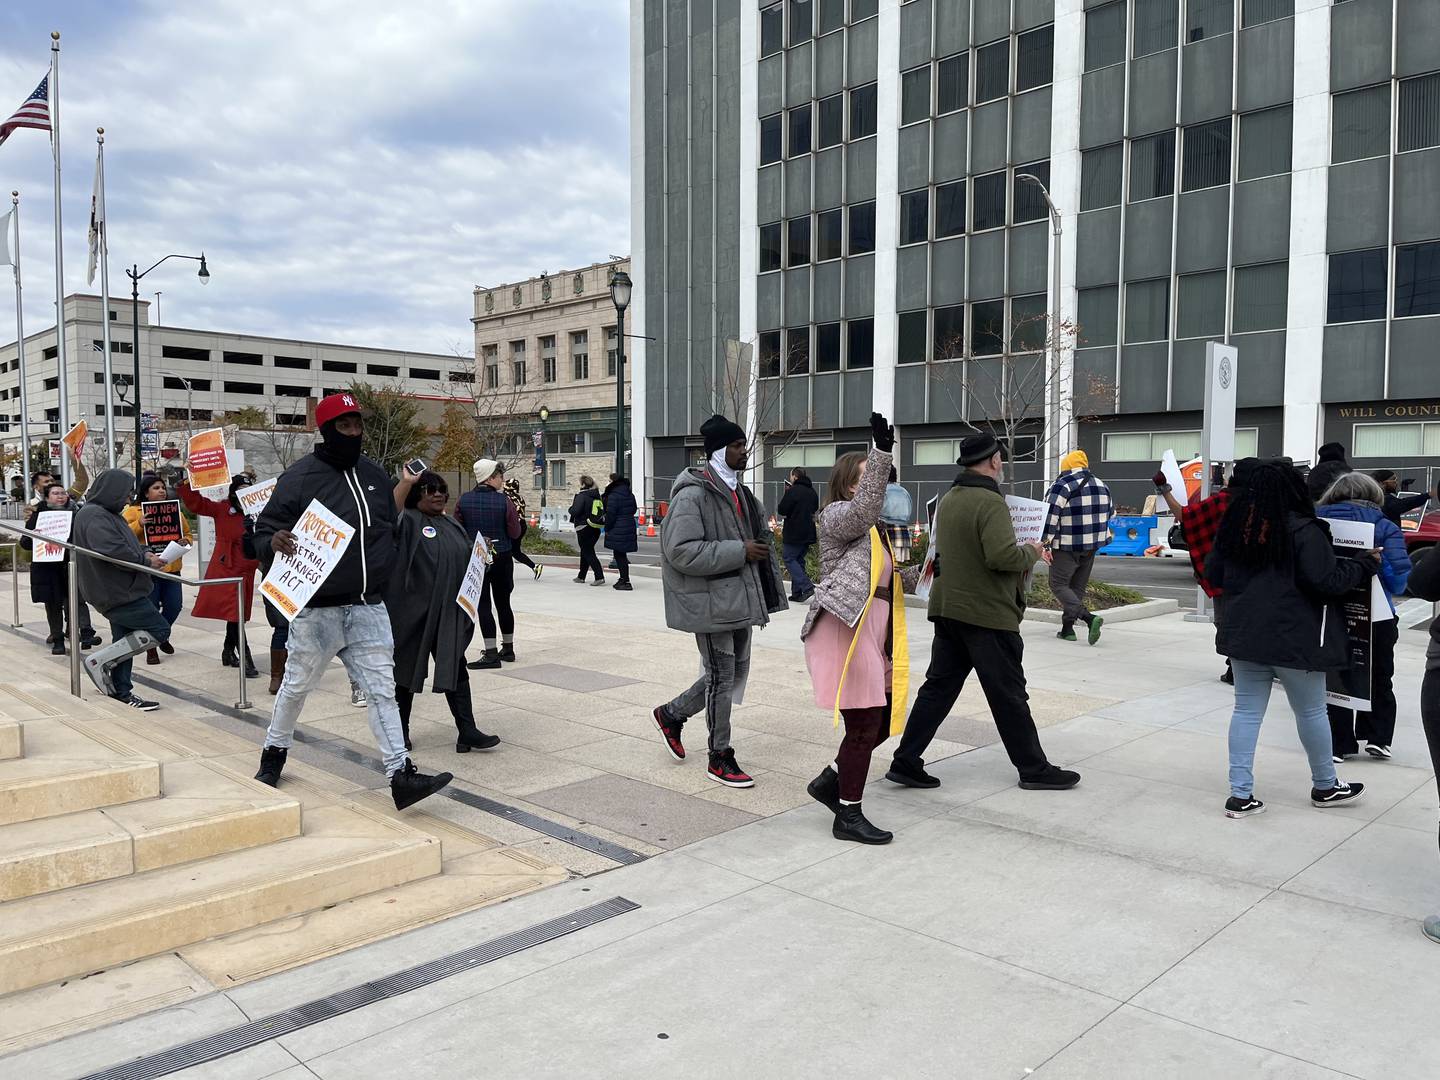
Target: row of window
{"x": 1151, "y": 445}
{"x": 848, "y": 230}
{"x": 850, "y": 344}
{"x": 1158, "y": 27}
{"x": 1356, "y": 283}
{"x": 1393, "y": 441}
{"x": 1023, "y": 449}
{"x": 945, "y": 333}
{"x": 818, "y": 125}
{"x": 1258, "y": 299}
{"x": 293, "y": 363}
{"x": 944, "y": 86}
{"x": 797, "y": 21}
{"x": 1360, "y": 119}
{"x": 579, "y": 359}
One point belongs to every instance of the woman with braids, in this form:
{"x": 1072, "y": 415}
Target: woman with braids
{"x": 1279, "y": 583}
{"x": 512, "y": 492}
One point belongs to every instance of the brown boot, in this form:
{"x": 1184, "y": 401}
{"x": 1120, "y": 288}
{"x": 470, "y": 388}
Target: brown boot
{"x": 277, "y": 668}
{"x": 152, "y": 656}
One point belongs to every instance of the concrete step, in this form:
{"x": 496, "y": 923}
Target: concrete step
{"x": 68, "y": 768}
{"x": 344, "y": 852}
{"x": 12, "y": 740}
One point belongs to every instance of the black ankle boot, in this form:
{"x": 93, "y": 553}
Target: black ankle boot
{"x": 272, "y": 762}
{"x": 468, "y": 737}
{"x": 489, "y": 661}
{"x": 228, "y": 657}
{"x": 410, "y": 785}
{"x": 507, "y": 652}
{"x": 251, "y": 671}
{"x": 825, "y": 789}
{"x": 851, "y": 824}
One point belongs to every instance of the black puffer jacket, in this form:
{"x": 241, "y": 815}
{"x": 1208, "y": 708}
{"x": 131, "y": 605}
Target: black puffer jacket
{"x": 797, "y": 507}
{"x": 1425, "y": 583}
{"x": 1288, "y": 616}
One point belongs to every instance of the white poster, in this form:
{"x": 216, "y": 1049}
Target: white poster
{"x": 320, "y": 540}
{"x": 254, "y": 498}
{"x": 1171, "y": 468}
{"x": 55, "y": 524}
{"x": 474, "y": 580}
{"x": 1028, "y": 516}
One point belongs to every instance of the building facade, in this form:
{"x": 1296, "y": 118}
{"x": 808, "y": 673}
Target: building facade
{"x": 845, "y": 186}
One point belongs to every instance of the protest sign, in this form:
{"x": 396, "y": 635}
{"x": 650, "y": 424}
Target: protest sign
{"x": 75, "y": 438}
{"x": 474, "y": 580}
{"x": 1350, "y": 689}
{"x": 930, "y": 566}
{"x": 1171, "y": 468}
{"x": 161, "y": 522}
{"x": 55, "y": 524}
{"x": 208, "y": 465}
{"x": 254, "y": 498}
{"x": 320, "y": 540}
{"x": 1028, "y": 516}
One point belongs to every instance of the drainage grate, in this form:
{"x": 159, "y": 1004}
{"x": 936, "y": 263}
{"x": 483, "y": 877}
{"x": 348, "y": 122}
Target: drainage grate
{"x": 357, "y": 997}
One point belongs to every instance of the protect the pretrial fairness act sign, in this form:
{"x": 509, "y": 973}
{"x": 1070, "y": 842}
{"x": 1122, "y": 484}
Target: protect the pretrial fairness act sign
{"x": 320, "y": 540}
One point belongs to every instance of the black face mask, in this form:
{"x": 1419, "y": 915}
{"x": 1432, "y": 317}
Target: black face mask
{"x": 336, "y": 450}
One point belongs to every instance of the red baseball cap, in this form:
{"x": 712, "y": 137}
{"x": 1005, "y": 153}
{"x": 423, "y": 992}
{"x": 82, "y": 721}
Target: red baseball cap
{"x": 334, "y": 407}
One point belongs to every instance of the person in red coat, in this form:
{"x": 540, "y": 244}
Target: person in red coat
{"x": 227, "y": 560}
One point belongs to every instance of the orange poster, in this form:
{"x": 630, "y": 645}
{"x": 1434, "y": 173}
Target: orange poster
{"x": 75, "y": 438}
{"x": 208, "y": 466}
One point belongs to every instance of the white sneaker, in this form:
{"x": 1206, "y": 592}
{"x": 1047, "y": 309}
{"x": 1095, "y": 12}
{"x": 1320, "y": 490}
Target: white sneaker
{"x": 358, "y": 697}
{"x": 1375, "y": 750}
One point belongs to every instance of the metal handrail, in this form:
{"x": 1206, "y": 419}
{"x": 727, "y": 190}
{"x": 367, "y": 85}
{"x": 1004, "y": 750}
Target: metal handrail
{"x": 73, "y": 599}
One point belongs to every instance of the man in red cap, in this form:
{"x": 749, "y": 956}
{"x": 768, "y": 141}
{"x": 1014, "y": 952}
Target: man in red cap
{"x": 346, "y": 616}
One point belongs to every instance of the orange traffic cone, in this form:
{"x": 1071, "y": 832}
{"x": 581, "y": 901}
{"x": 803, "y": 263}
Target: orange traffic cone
{"x": 534, "y": 520}
{"x": 650, "y": 529}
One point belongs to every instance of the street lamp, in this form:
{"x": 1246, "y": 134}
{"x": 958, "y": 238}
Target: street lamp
{"x": 544, "y": 449}
{"x": 1058, "y": 446}
{"x": 135, "y": 274}
{"x": 620, "y": 286}
{"x": 189, "y": 390}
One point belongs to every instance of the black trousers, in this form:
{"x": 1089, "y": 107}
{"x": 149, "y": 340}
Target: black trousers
{"x": 996, "y": 656}
{"x": 588, "y": 538}
{"x": 1349, "y": 726}
{"x": 1430, "y": 713}
{"x": 458, "y": 699}
{"x": 55, "y": 616}
{"x": 499, "y": 584}
{"x": 622, "y": 563}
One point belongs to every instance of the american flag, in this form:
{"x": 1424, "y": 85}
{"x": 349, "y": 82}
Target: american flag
{"x": 33, "y": 113}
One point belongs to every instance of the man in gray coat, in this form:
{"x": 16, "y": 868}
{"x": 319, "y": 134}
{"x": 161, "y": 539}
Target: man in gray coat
{"x": 721, "y": 578}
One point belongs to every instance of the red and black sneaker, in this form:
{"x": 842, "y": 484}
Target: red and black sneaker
{"x": 723, "y": 770}
{"x": 670, "y": 730}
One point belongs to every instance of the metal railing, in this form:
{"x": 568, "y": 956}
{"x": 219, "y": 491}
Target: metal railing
{"x": 73, "y": 598}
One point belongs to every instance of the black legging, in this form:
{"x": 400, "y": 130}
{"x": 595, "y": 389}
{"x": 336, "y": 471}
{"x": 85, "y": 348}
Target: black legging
{"x": 515, "y": 549}
{"x": 588, "y": 537}
{"x": 499, "y": 584}
{"x": 55, "y": 615}
{"x": 622, "y": 563}
{"x": 1430, "y": 712}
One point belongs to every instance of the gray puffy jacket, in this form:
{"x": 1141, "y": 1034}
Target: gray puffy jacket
{"x": 709, "y": 586}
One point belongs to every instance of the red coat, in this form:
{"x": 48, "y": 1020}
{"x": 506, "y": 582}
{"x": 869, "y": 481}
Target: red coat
{"x": 227, "y": 560}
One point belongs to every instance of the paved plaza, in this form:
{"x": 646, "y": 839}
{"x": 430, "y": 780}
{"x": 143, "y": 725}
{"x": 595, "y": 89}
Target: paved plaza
{"x": 1126, "y": 928}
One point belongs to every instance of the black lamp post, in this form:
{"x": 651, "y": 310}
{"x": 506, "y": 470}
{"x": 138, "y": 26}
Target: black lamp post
{"x": 544, "y": 415}
{"x": 620, "y": 286}
{"x": 135, "y": 274}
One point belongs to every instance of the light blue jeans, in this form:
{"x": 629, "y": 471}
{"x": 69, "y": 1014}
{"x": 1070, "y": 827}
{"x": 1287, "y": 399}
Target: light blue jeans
{"x": 1306, "y": 692}
{"x": 360, "y": 635}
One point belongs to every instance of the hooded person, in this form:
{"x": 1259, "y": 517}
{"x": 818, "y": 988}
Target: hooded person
{"x": 797, "y": 536}
{"x": 346, "y": 615}
{"x": 119, "y": 593}
{"x": 486, "y": 511}
{"x": 226, "y": 561}
{"x": 1330, "y": 465}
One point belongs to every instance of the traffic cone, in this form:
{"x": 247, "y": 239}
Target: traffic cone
{"x": 650, "y": 529}
{"x": 642, "y": 517}
{"x": 534, "y": 521}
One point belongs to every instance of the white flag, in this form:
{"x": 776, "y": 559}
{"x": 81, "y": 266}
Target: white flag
{"x": 97, "y": 220}
{"x": 6, "y": 222}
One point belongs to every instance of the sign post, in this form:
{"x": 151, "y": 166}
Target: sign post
{"x": 1217, "y": 433}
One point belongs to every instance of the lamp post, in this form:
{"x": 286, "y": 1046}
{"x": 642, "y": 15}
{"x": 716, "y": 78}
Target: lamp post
{"x": 620, "y": 286}
{"x": 158, "y": 293}
{"x": 1055, "y": 412}
{"x": 135, "y": 274}
{"x": 189, "y": 393}
{"x": 544, "y": 461}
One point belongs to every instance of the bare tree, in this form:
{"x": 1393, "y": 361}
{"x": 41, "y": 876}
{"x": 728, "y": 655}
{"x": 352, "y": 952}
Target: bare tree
{"x": 287, "y": 441}
{"x": 741, "y": 392}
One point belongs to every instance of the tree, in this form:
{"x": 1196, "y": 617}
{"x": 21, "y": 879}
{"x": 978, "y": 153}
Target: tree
{"x": 460, "y": 443}
{"x": 249, "y": 417}
{"x": 738, "y": 390}
{"x": 393, "y": 431}
{"x": 288, "y": 441}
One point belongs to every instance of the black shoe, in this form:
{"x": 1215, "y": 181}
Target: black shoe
{"x": 251, "y": 671}
{"x": 272, "y": 762}
{"x": 825, "y": 789}
{"x": 58, "y": 649}
{"x": 907, "y": 775}
{"x": 1228, "y": 678}
{"x": 851, "y": 824}
{"x": 167, "y": 648}
{"x": 805, "y": 596}
{"x": 1053, "y": 778}
{"x": 410, "y": 785}
{"x": 228, "y": 657}
{"x": 1339, "y": 794}
{"x": 49, "y": 639}
{"x": 89, "y": 641}
{"x": 139, "y": 703}
{"x": 488, "y": 662}
{"x": 1238, "y": 808}
{"x": 624, "y": 586}
{"x": 468, "y": 737}
{"x": 507, "y": 653}
{"x": 670, "y": 731}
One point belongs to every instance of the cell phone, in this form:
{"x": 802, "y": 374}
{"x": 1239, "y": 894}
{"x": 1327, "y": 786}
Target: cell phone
{"x": 416, "y": 466}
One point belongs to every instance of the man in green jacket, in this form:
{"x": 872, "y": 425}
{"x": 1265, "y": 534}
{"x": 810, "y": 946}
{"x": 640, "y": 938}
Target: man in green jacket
{"x": 976, "y": 605}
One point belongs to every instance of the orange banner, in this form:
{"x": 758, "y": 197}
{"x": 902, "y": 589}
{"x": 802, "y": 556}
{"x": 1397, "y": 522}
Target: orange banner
{"x": 75, "y": 438}
{"x": 208, "y": 465}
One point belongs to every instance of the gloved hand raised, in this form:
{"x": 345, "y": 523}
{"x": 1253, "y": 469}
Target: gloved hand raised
{"x": 882, "y": 432}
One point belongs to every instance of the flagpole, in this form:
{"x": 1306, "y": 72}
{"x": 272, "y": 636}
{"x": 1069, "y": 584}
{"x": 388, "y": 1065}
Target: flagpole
{"x": 64, "y": 380}
{"x": 25, "y": 466}
{"x": 102, "y": 226}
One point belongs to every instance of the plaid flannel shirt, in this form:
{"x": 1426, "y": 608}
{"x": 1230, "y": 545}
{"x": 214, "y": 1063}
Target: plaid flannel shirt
{"x": 1080, "y": 511}
{"x": 1200, "y": 522}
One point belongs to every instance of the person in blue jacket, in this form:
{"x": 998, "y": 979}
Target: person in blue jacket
{"x": 1357, "y": 497}
{"x": 620, "y": 526}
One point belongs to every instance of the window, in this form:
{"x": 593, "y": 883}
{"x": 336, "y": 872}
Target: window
{"x": 935, "y": 452}
{"x": 801, "y": 21}
{"x": 1361, "y": 120}
{"x": 1152, "y": 166}
{"x": 915, "y": 216}
{"x": 952, "y": 83}
{"x": 492, "y": 376}
{"x": 797, "y": 351}
{"x": 344, "y": 366}
{"x": 1417, "y": 279}
{"x": 797, "y": 245}
{"x": 171, "y": 412}
{"x": 1105, "y": 36}
{"x": 99, "y": 378}
{"x": 1419, "y": 112}
{"x": 430, "y": 373}
{"x": 992, "y": 71}
{"x": 612, "y": 351}
{"x": 115, "y": 347}
{"x": 1151, "y": 445}
{"x": 827, "y": 347}
{"x": 389, "y": 370}
{"x": 517, "y": 369}
{"x": 1205, "y": 160}
{"x": 298, "y": 363}
{"x": 862, "y": 229}
{"x": 949, "y": 209}
{"x": 987, "y": 328}
{"x": 1100, "y": 176}
{"x": 548, "y": 369}
{"x": 1357, "y": 286}
{"x": 1208, "y": 18}
{"x": 1255, "y": 12}
{"x": 1029, "y": 323}
{"x": 989, "y": 201}
{"x": 1034, "y": 58}
{"x": 175, "y": 352}
{"x": 244, "y": 388}
{"x": 803, "y": 456}
{"x": 201, "y": 385}
{"x": 915, "y": 95}
{"x": 1147, "y": 311}
{"x": 557, "y": 473}
{"x": 862, "y": 9}
{"x": 54, "y": 350}
{"x": 291, "y": 420}
{"x": 1029, "y": 201}
{"x": 771, "y": 139}
{"x": 517, "y": 350}
{"x": 129, "y": 410}
{"x": 1260, "y": 297}
{"x": 52, "y": 383}
{"x": 254, "y": 359}
{"x": 770, "y": 247}
{"x": 289, "y": 390}
{"x": 580, "y": 355}
{"x": 1265, "y": 143}
{"x": 829, "y": 227}
{"x": 1396, "y": 440}
{"x": 1156, "y": 26}
{"x": 799, "y": 119}
{"x": 1200, "y": 306}
{"x": 832, "y": 121}
{"x": 466, "y": 377}
{"x": 949, "y": 336}
{"x": 912, "y": 338}
{"x": 770, "y": 344}
{"x": 1097, "y": 308}
{"x": 772, "y": 30}
{"x": 831, "y": 15}
{"x": 863, "y": 111}
{"x": 859, "y": 344}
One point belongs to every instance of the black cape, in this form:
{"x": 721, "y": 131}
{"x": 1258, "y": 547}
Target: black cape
{"x": 420, "y": 598}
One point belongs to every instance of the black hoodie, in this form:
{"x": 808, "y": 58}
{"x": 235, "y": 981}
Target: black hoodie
{"x": 797, "y": 507}
{"x": 99, "y": 527}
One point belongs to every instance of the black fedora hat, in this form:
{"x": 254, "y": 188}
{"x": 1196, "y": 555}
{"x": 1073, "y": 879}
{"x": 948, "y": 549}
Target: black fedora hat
{"x": 977, "y": 448}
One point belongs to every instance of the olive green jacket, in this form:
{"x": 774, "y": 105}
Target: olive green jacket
{"x": 981, "y": 571}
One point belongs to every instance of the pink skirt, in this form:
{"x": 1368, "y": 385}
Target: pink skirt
{"x": 869, "y": 678}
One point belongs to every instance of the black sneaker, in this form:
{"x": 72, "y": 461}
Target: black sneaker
{"x": 139, "y": 703}
{"x": 907, "y": 775}
{"x": 1053, "y": 778}
{"x": 1243, "y": 807}
{"x": 410, "y": 785}
{"x": 272, "y": 763}
{"x": 724, "y": 770}
{"x": 58, "y": 649}
{"x": 624, "y": 586}
{"x": 1338, "y": 795}
{"x": 507, "y": 652}
{"x": 488, "y": 662}
{"x": 670, "y": 731}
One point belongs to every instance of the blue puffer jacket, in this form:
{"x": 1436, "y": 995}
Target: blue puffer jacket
{"x": 1395, "y": 562}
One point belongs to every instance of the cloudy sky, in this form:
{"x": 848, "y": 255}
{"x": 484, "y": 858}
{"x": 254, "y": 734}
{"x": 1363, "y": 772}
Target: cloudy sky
{"x": 351, "y": 168}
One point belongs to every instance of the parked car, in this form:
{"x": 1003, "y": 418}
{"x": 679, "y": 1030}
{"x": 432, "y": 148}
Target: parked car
{"x": 1420, "y": 543}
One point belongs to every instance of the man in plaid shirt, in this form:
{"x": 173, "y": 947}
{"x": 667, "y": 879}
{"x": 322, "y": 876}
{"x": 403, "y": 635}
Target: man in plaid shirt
{"x": 1077, "y": 527}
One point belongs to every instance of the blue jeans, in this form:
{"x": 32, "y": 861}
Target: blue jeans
{"x": 168, "y": 599}
{"x": 138, "y": 614}
{"x": 1306, "y": 692}
{"x": 794, "y": 556}
{"x": 360, "y": 635}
